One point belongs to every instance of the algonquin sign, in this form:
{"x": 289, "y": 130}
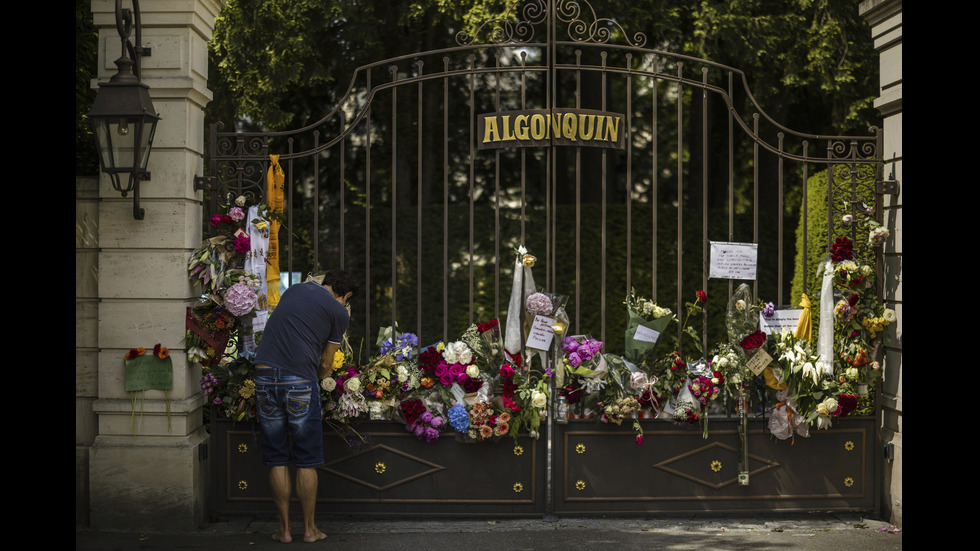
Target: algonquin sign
{"x": 543, "y": 127}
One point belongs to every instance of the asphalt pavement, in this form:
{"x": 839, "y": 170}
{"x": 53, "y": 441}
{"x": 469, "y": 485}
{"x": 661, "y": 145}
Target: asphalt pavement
{"x": 758, "y": 532}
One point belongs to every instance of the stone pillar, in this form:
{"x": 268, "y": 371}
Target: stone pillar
{"x": 148, "y": 464}
{"x": 885, "y": 18}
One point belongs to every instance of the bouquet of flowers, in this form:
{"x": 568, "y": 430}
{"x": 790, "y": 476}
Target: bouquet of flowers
{"x": 419, "y": 421}
{"x": 231, "y": 387}
{"x": 484, "y": 339}
{"x": 646, "y": 322}
{"x": 344, "y": 399}
{"x": 859, "y": 323}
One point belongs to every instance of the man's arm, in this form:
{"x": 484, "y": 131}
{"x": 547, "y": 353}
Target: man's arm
{"x": 326, "y": 359}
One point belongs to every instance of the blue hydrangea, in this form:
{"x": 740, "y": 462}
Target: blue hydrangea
{"x": 458, "y": 418}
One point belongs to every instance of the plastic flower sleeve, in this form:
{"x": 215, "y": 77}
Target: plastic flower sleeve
{"x": 741, "y": 317}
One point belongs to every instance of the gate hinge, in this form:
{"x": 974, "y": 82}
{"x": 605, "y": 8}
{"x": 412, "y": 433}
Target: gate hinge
{"x": 205, "y": 183}
{"x": 887, "y": 187}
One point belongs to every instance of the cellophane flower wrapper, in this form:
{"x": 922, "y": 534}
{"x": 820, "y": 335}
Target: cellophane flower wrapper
{"x": 637, "y": 350}
{"x": 741, "y": 317}
{"x": 780, "y": 424}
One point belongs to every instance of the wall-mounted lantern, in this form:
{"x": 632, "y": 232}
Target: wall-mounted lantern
{"x": 123, "y": 117}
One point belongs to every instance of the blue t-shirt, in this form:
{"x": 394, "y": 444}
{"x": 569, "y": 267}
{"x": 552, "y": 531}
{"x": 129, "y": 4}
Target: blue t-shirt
{"x": 305, "y": 320}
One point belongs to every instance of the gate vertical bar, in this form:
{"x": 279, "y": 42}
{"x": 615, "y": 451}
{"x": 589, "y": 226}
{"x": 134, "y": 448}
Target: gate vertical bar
{"x": 343, "y": 189}
{"x": 704, "y": 202}
{"x": 629, "y": 172}
{"x": 680, "y": 201}
{"x": 316, "y": 203}
{"x": 418, "y": 216}
{"x": 445, "y": 201}
{"x": 368, "y": 289}
{"x": 393, "y": 69}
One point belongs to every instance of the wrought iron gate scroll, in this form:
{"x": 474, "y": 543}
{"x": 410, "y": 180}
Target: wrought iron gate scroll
{"x": 401, "y": 194}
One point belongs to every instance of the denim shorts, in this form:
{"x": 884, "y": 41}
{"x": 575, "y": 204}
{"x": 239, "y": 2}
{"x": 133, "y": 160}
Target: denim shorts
{"x": 291, "y": 429}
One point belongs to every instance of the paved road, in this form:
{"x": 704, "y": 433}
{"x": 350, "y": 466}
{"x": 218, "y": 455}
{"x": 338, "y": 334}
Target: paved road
{"x": 823, "y": 532}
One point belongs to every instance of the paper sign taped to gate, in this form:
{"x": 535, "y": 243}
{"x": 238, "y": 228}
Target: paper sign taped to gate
{"x": 733, "y": 260}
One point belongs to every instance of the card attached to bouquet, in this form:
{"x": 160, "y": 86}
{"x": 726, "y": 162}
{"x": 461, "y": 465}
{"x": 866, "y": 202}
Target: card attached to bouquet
{"x": 759, "y": 362}
{"x": 541, "y": 333}
{"x": 646, "y": 334}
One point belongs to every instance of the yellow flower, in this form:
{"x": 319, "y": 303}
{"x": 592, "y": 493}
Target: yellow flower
{"x": 338, "y": 360}
{"x": 248, "y": 389}
{"x": 262, "y": 225}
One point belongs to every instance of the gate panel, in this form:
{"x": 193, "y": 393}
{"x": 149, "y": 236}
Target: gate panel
{"x": 392, "y": 186}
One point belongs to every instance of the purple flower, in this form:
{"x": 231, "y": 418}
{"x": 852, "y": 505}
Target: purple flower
{"x": 431, "y": 434}
{"x": 574, "y": 359}
{"x": 446, "y": 379}
{"x": 426, "y": 417}
{"x": 768, "y": 310}
{"x": 569, "y": 345}
{"x": 437, "y": 422}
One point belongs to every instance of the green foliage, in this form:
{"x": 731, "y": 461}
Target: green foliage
{"x": 816, "y": 238}
{"x": 86, "y": 53}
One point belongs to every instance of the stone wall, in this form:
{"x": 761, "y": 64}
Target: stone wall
{"x": 885, "y": 17}
{"x": 144, "y": 466}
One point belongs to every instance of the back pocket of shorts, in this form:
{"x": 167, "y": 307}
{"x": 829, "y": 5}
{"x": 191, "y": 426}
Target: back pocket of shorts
{"x": 298, "y": 401}
{"x": 263, "y": 404}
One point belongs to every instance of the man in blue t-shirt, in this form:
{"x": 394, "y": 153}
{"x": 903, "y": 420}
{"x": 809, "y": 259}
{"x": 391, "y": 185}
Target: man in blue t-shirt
{"x": 297, "y": 349}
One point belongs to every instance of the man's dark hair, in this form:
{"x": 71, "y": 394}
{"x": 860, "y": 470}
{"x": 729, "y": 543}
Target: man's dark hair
{"x": 340, "y": 282}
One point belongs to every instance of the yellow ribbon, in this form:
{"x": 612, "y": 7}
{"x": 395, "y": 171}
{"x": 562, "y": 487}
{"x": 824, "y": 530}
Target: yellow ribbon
{"x": 771, "y": 380}
{"x": 274, "y": 197}
{"x": 804, "y": 328}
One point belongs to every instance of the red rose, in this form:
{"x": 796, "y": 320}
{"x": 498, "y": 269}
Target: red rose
{"x": 702, "y": 296}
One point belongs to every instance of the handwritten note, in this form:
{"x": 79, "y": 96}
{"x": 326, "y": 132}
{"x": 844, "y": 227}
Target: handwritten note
{"x": 759, "y": 362}
{"x": 733, "y": 260}
{"x": 541, "y": 333}
{"x": 781, "y": 319}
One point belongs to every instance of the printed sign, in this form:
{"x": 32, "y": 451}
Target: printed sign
{"x": 646, "y": 334}
{"x": 780, "y": 320}
{"x": 541, "y": 333}
{"x": 733, "y": 260}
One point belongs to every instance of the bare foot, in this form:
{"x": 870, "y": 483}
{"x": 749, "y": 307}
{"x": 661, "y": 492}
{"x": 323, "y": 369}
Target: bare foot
{"x": 283, "y": 537}
{"x": 315, "y": 536}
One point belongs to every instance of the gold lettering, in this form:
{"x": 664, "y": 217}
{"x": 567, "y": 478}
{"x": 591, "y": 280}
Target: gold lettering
{"x": 520, "y": 127}
{"x": 556, "y": 124}
{"x": 612, "y": 130}
{"x": 581, "y": 126}
{"x": 539, "y": 127}
{"x": 490, "y": 132}
{"x": 506, "y": 124}
{"x": 598, "y": 127}
{"x": 569, "y": 124}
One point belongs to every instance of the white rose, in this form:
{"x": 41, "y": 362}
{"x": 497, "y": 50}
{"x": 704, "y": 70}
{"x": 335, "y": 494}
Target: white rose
{"x": 538, "y": 399}
{"x": 889, "y": 315}
{"x": 458, "y": 353}
{"x": 352, "y": 385}
{"x": 402, "y": 374}
{"x": 740, "y": 304}
{"x": 328, "y": 384}
{"x": 240, "y": 201}
{"x": 851, "y": 373}
{"x": 473, "y": 371}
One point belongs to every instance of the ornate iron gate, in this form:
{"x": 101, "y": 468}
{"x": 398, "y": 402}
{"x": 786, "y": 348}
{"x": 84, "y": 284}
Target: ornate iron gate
{"x": 403, "y": 194}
